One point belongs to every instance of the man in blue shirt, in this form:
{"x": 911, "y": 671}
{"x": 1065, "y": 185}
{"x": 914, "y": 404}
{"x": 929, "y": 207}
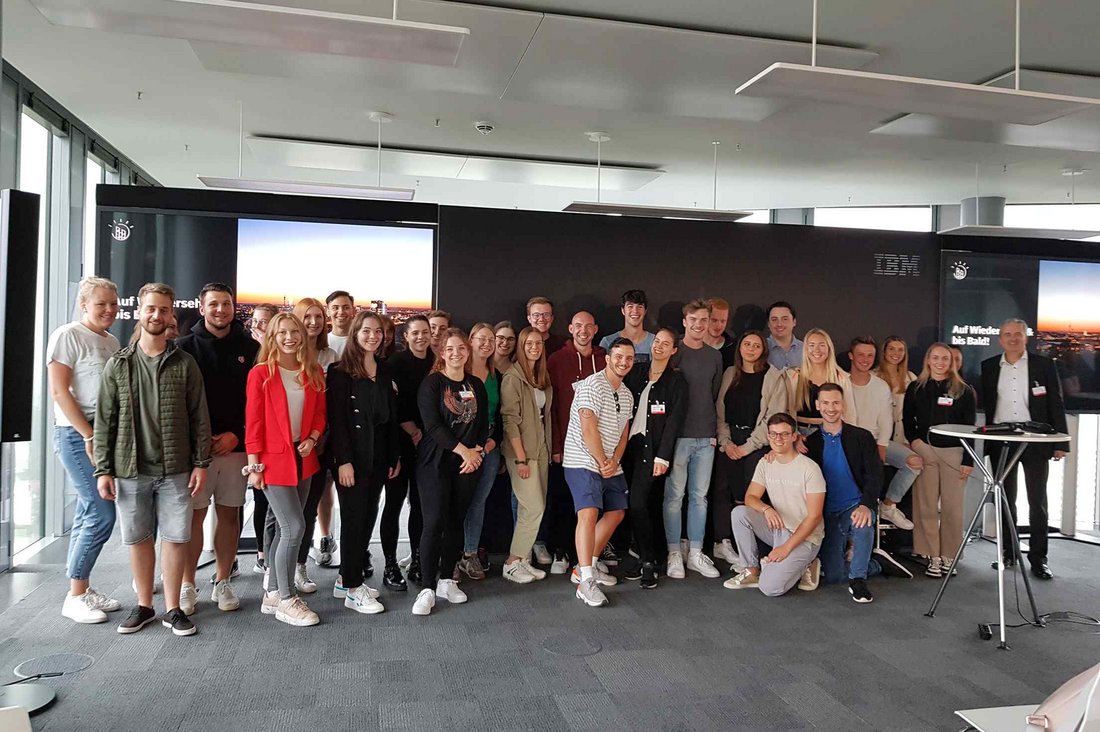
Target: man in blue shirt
{"x": 850, "y": 462}
{"x": 784, "y": 350}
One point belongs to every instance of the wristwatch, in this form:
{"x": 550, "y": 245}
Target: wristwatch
{"x": 521, "y": 462}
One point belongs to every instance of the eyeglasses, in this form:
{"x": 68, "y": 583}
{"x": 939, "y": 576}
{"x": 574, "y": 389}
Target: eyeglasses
{"x": 618, "y": 409}
{"x": 780, "y": 436}
{"x": 506, "y": 339}
{"x": 540, "y": 316}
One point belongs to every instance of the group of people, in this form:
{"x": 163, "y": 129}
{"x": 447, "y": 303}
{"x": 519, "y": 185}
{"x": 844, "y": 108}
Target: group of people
{"x": 702, "y": 439}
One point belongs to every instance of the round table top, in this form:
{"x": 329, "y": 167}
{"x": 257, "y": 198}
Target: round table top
{"x": 967, "y": 431}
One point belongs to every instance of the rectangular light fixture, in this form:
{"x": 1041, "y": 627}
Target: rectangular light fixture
{"x": 912, "y": 94}
{"x": 1020, "y": 232}
{"x": 302, "y": 188}
{"x": 269, "y": 26}
{"x": 654, "y": 212}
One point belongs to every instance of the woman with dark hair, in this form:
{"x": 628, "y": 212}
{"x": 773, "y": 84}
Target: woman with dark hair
{"x": 750, "y": 393}
{"x": 455, "y": 409}
{"x": 389, "y": 345}
{"x": 362, "y": 411}
{"x": 284, "y": 419}
{"x": 505, "y": 353}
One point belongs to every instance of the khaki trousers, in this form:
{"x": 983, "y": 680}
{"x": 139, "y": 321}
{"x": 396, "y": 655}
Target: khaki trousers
{"x": 938, "y": 501}
{"x": 531, "y": 497}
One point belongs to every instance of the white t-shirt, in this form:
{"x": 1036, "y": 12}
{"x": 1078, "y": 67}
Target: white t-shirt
{"x": 612, "y": 413}
{"x": 875, "y": 409}
{"x": 326, "y": 358}
{"x": 788, "y": 486}
{"x": 85, "y": 352}
{"x": 295, "y": 401}
{"x": 337, "y": 343}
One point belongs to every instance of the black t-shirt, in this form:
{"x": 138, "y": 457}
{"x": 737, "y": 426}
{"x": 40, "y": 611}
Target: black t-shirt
{"x": 452, "y": 412}
{"x": 743, "y": 401}
{"x": 811, "y": 412}
{"x": 408, "y": 372}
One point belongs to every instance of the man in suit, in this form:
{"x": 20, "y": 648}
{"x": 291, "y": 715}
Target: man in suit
{"x": 1018, "y": 386}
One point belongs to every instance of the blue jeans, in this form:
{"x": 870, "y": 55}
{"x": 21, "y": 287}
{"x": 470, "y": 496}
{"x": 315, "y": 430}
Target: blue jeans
{"x": 475, "y": 515}
{"x": 692, "y": 464}
{"x": 838, "y": 531}
{"x": 95, "y": 517}
{"x": 896, "y": 455}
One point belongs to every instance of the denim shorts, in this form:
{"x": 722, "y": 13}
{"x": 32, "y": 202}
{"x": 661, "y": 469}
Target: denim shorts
{"x": 592, "y": 490}
{"x": 148, "y": 505}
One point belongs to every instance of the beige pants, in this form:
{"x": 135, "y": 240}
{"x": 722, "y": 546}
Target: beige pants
{"x": 531, "y": 497}
{"x": 938, "y": 501}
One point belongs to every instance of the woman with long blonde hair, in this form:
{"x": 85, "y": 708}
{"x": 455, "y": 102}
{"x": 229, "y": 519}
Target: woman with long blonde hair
{"x": 819, "y": 367}
{"x": 284, "y": 419}
{"x": 938, "y": 396}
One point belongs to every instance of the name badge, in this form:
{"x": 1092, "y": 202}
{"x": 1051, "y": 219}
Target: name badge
{"x": 657, "y": 408}
{"x": 1038, "y": 390}
{"x": 945, "y": 401}
{"x": 465, "y": 395}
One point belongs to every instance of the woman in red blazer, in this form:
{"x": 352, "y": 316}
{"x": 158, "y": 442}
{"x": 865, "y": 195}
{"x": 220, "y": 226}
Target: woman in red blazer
{"x": 284, "y": 418}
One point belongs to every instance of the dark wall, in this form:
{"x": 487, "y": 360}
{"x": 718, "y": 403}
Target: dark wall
{"x": 846, "y": 281}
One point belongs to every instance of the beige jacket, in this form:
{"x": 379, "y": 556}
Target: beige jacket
{"x": 520, "y": 415}
{"x": 773, "y": 399}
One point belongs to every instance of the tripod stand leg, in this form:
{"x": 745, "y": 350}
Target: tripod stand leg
{"x": 1020, "y": 565}
{"x": 947, "y": 577}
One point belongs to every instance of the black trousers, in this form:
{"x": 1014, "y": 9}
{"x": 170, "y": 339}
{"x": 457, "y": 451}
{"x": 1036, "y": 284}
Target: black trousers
{"x": 1036, "y": 464}
{"x": 560, "y": 521}
{"x": 445, "y": 496}
{"x": 404, "y": 485}
{"x": 316, "y": 490}
{"x": 731, "y": 481}
{"x": 259, "y": 518}
{"x": 358, "y": 512}
{"x": 646, "y": 499}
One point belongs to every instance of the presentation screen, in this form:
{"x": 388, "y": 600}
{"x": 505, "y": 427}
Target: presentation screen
{"x": 1059, "y": 300}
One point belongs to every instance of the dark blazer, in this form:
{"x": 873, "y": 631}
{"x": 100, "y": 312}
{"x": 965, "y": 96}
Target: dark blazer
{"x": 863, "y": 460}
{"x": 351, "y": 426}
{"x": 1048, "y": 408}
{"x": 671, "y": 389}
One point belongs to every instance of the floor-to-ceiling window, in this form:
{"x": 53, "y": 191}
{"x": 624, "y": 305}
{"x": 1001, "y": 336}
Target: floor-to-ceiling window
{"x": 93, "y": 176}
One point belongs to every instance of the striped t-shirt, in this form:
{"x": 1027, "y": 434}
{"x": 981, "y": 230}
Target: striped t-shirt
{"x": 612, "y": 408}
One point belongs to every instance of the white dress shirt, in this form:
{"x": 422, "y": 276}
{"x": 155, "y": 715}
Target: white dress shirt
{"x": 1012, "y": 394}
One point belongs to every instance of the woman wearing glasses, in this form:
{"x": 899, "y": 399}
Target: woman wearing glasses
{"x": 505, "y": 354}
{"x": 819, "y": 367}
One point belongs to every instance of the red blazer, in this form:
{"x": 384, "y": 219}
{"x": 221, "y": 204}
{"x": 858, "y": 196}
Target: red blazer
{"x": 267, "y": 427}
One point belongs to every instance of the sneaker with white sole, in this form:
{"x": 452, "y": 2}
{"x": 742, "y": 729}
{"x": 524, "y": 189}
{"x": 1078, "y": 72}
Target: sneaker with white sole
{"x": 517, "y": 572}
{"x": 325, "y": 551}
{"x": 542, "y": 554}
{"x": 724, "y": 550}
{"x": 533, "y": 570}
{"x": 260, "y": 567}
{"x": 448, "y": 590}
{"x": 425, "y": 601}
{"x": 590, "y": 593}
{"x": 338, "y": 589}
{"x": 224, "y": 595}
{"x": 99, "y": 601}
{"x": 359, "y": 600}
{"x": 302, "y": 582}
{"x": 293, "y": 611}
{"x": 77, "y": 609}
{"x": 811, "y": 576}
{"x": 857, "y": 588}
{"x": 177, "y": 621}
{"x": 742, "y": 580}
{"x": 560, "y": 565}
{"x": 699, "y": 562}
{"x": 894, "y": 515}
{"x": 934, "y": 568}
{"x": 189, "y": 597}
{"x": 675, "y": 568}
{"x": 269, "y": 603}
{"x": 604, "y": 578}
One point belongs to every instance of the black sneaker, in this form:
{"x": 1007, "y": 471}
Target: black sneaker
{"x": 857, "y": 588}
{"x": 631, "y": 568}
{"x": 392, "y": 578}
{"x": 608, "y": 555}
{"x": 413, "y": 573}
{"x": 178, "y": 622}
{"x": 260, "y": 567}
{"x": 649, "y": 576}
{"x": 234, "y": 572}
{"x": 483, "y": 558}
{"x": 139, "y": 618}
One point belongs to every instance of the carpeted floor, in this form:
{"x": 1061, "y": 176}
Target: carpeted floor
{"x": 689, "y": 655}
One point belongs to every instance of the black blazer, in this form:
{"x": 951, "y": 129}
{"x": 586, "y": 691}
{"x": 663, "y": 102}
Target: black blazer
{"x": 863, "y": 460}
{"x": 1049, "y": 407}
{"x": 351, "y": 427}
{"x": 671, "y": 389}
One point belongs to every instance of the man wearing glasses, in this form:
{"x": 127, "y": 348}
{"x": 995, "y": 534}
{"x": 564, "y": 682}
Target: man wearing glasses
{"x": 594, "y": 445}
{"x": 784, "y": 350}
{"x": 540, "y": 314}
{"x": 791, "y": 523}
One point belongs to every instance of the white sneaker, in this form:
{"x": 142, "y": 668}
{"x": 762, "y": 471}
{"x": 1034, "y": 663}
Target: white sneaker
{"x": 425, "y": 601}
{"x": 338, "y": 589}
{"x": 699, "y": 562}
{"x": 604, "y": 578}
{"x": 744, "y": 579}
{"x": 293, "y": 611}
{"x": 685, "y": 549}
{"x": 302, "y": 582}
{"x": 533, "y": 570}
{"x": 560, "y": 565}
{"x": 811, "y": 576}
{"x": 447, "y": 589}
{"x": 542, "y": 555}
{"x": 600, "y": 566}
{"x": 99, "y": 601}
{"x": 360, "y": 601}
{"x": 517, "y": 572}
{"x": 590, "y": 593}
{"x": 189, "y": 597}
{"x": 269, "y": 604}
{"x": 675, "y": 568}
{"x": 724, "y": 550}
{"x": 77, "y": 609}
{"x": 404, "y": 562}
{"x": 224, "y": 595}
{"x": 894, "y": 515}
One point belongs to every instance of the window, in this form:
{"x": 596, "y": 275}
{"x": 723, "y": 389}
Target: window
{"x": 1054, "y": 216}
{"x": 895, "y": 218}
{"x": 93, "y": 176}
{"x": 757, "y": 216}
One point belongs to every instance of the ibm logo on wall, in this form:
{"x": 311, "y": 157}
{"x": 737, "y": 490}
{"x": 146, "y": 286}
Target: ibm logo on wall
{"x": 897, "y": 265}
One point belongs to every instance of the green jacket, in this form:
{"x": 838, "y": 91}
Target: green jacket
{"x": 184, "y": 419}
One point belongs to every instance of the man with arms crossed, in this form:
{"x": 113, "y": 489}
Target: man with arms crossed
{"x": 594, "y": 445}
{"x": 341, "y": 309}
{"x": 152, "y": 449}
{"x": 1018, "y": 386}
{"x": 791, "y": 523}
{"x": 784, "y": 350}
{"x": 634, "y": 310}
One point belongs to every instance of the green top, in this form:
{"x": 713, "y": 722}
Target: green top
{"x": 492, "y": 388}
{"x": 150, "y": 446}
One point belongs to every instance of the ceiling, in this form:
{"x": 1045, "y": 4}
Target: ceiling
{"x": 658, "y": 77}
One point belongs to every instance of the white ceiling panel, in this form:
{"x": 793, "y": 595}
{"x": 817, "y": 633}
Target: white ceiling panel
{"x": 629, "y": 67}
{"x": 560, "y": 175}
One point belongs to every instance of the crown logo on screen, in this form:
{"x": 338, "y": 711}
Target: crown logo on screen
{"x": 120, "y": 230}
{"x": 959, "y": 270}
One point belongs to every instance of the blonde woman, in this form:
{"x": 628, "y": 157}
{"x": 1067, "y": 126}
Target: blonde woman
{"x": 284, "y": 419}
{"x": 526, "y": 396}
{"x": 893, "y": 368}
{"x": 818, "y": 367}
{"x": 938, "y": 396}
